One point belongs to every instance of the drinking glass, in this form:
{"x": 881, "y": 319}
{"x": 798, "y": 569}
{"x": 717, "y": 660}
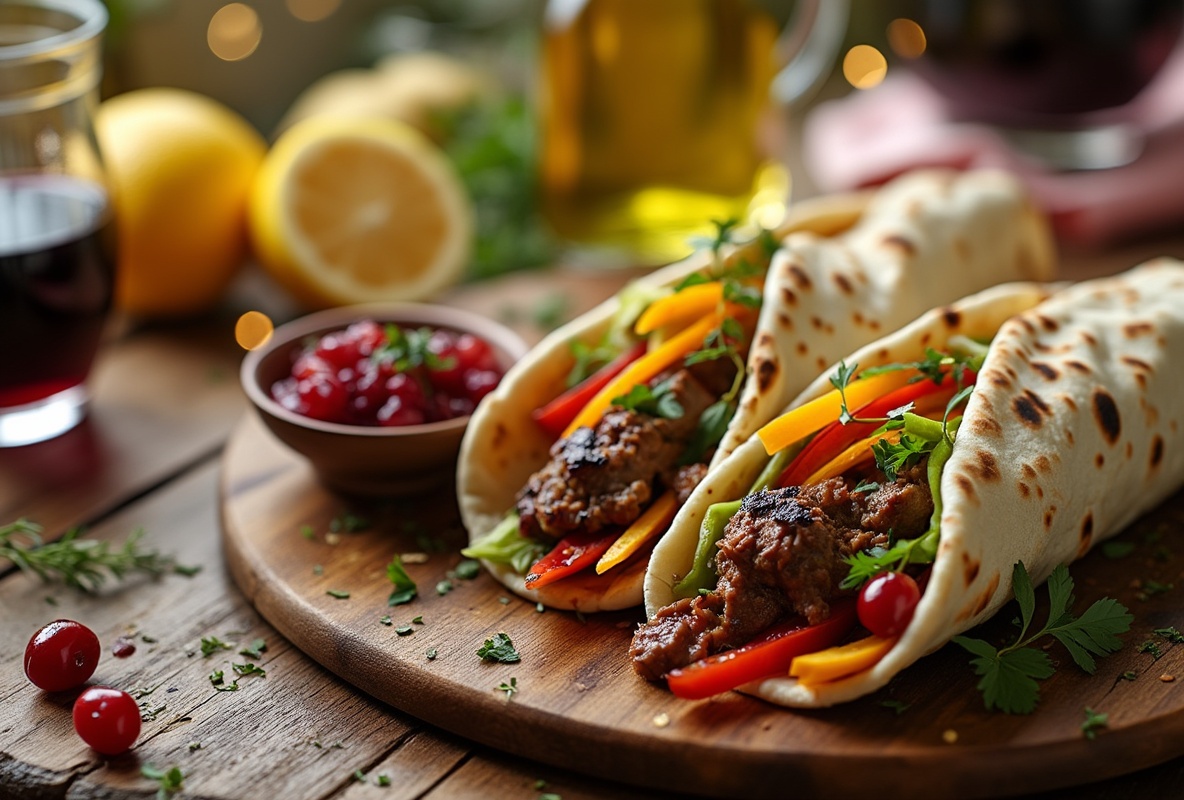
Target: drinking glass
{"x": 57, "y": 255}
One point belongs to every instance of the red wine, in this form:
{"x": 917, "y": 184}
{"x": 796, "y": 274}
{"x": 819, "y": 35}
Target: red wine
{"x": 57, "y": 274}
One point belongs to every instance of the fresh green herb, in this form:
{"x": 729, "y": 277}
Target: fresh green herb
{"x": 187, "y": 571}
{"x": 249, "y": 669}
{"x": 83, "y": 564}
{"x": 146, "y": 639}
{"x": 1010, "y": 675}
{"x": 724, "y": 229}
{"x": 657, "y": 401}
{"x": 443, "y": 587}
{"x": 340, "y": 594}
{"x": 1116, "y": 550}
{"x": 1152, "y": 648}
{"x": 1155, "y": 587}
{"x": 866, "y": 486}
{"x": 254, "y": 649}
{"x": 212, "y": 644}
{"x": 348, "y": 522}
{"x": 499, "y": 649}
{"x": 1171, "y": 634}
{"x": 194, "y": 746}
{"x": 505, "y": 545}
{"x": 550, "y": 796}
{"x": 431, "y": 654}
{"x": 218, "y": 680}
{"x": 742, "y": 293}
{"x": 382, "y": 780}
{"x": 307, "y": 532}
{"x": 840, "y": 380}
{"x": 510, "y": 688}
{"x": 468, "y": 569}
{"x": 539, "y": 785}
{"x": 1094, "y": 722}
{"x": 404, "y": 588}
{"x": 386, "y": 620}
{"x": 359, "y": 776}
{"x": 694, "y": 279}
{"x": 405, "y": 349}
{"x": 318, "y": 569}
{"x": 892, "y": 458}
{"x": 713, "y": 423}
{"x": 588, "y": 360}
{"x": 935, "y": 364}
{"x": 896, "y": 705}
{"x": 1129, "y": 675}
{"x": 404, "y": 630}
{"x": 171, "y": 780}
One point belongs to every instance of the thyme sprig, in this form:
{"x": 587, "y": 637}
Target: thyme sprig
{"x": 83, "y": 564}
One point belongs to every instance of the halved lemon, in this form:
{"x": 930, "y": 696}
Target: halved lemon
{"x": 358, "y": 210}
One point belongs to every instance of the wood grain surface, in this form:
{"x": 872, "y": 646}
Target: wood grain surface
{"x": 579, "y": 705}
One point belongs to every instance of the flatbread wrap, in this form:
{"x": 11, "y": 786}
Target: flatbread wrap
{"x": 1028, "y": 423}
{"x": 566, "y": 514}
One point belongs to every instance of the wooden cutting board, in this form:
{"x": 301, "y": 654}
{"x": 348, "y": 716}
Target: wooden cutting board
{"x": 579, "y": 705}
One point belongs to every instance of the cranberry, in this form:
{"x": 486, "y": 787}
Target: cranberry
{"x": 887, "y": 602}
{"x": 408, "y": 389}
{"x": 322, "y": 397}
{"x": 367, "y": 336}
{"x": 337, "y": 349}
{"x": 447, "y": 372}
{"x": 479, "y": 383}
{"x": 396, "y": 412}
{"x": 475, "y": 353}
{"x": 107, "y": 719}
{"x": 309, "y": 364}
{"x": 62, "y": 655}
{"x": 123, "y": 647}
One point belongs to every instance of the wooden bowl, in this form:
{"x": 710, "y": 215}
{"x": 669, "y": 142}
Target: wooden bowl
{"x": 358, "y": 459}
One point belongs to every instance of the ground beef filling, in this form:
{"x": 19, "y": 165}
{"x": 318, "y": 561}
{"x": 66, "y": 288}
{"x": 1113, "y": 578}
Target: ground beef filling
{"x": 782, "y": 553}
{"x": 607, "y": 475}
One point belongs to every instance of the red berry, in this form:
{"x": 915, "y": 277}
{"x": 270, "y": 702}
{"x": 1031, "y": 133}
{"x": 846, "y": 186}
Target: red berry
{"x": 887, "y": 602}
{"x": 407, "y": 389}
{"x": 322, "y": 397}
{"x": 479, "y": 383}
{"x": 396, "y": 412}
{"x": 309, "y": 364}
{"x": 337, "y": 349}
{"x": 107, "y": 719}
{"x": 367, "y": 335}
{"x": 61, "y": 656}
{"x": 475, "y": 353}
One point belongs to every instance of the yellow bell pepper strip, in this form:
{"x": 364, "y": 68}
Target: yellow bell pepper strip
{"x": 840, "y": 662}
{"x": 656, "y": 519}
{"x": 821, "y": 411}
{"x": 853, "y": 456}
{"x": 680, "y": 308}
{"x": 645, "y": 368}
{"x": 771, "y": 654}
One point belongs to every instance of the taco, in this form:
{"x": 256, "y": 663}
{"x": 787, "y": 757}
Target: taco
{"x": 565, "y": 490}
{"x": 1014, "y": 426}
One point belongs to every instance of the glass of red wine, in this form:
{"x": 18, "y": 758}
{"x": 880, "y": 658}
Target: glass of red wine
{"x": 57, "y": 248}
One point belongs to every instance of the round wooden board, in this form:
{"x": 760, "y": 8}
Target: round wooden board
{"x": 579, "y": 705}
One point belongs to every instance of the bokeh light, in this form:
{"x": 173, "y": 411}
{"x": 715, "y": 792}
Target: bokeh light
{"x": 252, "y": 330}
{"x": 864, "y": 66}
{"x": 234, "y": 32}
{"x": 906, "y": 38}
{"x": 312, "y": 10}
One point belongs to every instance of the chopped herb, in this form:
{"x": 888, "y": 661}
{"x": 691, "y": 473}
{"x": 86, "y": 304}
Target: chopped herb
{"x": 510, "y": 688}
{"x": 1171, "y": 634}
{"x": 382, "y": 780}
{"x": 1116, "y": 550}
{"x": 249, "y": 669}
{"x": 443, "y": 587}
{"x": 1153, "y": 648}
{"x": 1155, "y": 587}
{"x": 187, "y": 571}
{"x": 657, "y": 401}
{"x": 307, "y": 532}
{"x": 712, "y": 425}
{"x": 550, "y": 796}
{"x": 340, "y": 594}
{"x": 499, "y": 649}
{"x": 386, "y": 620}
{"x": 348, "y": 522}
{"x": 1094, "y": 721}
{"x": 741, "y": 293}
{"x": 1129, "y": 675}
{"x": 404, "y": 630}
{"x": 896, "y": 705}
{"x": 1010, "y": 675}
{"x": 408, "y": 348}
{"x": 218, "y": 680}
{"x": 724, "y": 228}
{"x": 83, "y": 564}
{"x": 359, "y": 776}
{"x": 194, "y": 746}
{"x": 146, "y": 639}
{"x": 254, "y": 649}
{"x": 431, "y": 653}
{"x": 318, "y": 569}
{"x": 894, "y": 458}
{"x": 404, "y": 588}
{"x": 468, "y": 569}
{"x": 417, "y": 620}
{"x": 587, "y": 361}
{"x": 171, "y": 780}
{"x": 212, "y": 644}
{"x": 539, "y": 785}
{"x": 840, "y": 380}
{"x": 866, "y": 486}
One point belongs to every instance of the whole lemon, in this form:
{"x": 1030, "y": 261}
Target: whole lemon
{"x": 181, "y": 166}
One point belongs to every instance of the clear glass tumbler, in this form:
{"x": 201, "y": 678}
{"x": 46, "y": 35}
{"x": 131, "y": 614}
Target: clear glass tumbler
{"x": 57, "y": 248}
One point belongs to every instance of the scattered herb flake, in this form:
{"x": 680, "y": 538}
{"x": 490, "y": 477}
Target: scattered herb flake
{"x": 318, "y": 569}
{"x": 254, "y": 649}
{"x": 510, "y": 688}
{"x": 896, "y": 705}
{"x": 1153, "y": 648}
{"x": 359, "y": 776}
{"x": 386, "y": 620}
{"x": 417, "y": 620}
{"x": 249, "y": 669}
{"x": 1094, "y": 721}
{"x": 1171, "y": 634}
{"x": 404, "y": 630}
{"x": 307, "y": 532}
{"x": 443, "y": 587}
{"x": 339, "y": 594}
{"x": 1129, "y": 675}
{"x": 468, "y": 569}
{"x": 499, "y": 649}
{"x": 171, "y": 780}
{"x": 431, "y": 654}
{"x": 1155, "y": 587}
{"x": 382, "y": 780}
{"x": 348, "y": 522}
{"x": 194, "y": 746}
{"x": 212, "y": 644}
{"x": 1117, "y": 550}
{"x": 186, "y": 570}
{"x": 404, "y": 588}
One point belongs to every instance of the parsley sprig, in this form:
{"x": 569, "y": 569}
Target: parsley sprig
{"x": 170, "y": 780}
{"x": 1010, "y": 675}
{"x": 499, "y": 649}
{"x": 407, "y": 348}
{"x": 405, "y": 589}
{"x": 83, "y": 564}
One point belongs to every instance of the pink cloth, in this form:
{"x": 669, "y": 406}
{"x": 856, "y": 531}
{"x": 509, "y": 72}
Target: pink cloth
{"x": 869, "y": 136}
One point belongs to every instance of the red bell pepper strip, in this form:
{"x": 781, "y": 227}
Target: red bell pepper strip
{"x": 765, "y": 657}
{"x": 556, "y": 415}
{"x": 573, "y": 553}
{"x": 837, "y": 437}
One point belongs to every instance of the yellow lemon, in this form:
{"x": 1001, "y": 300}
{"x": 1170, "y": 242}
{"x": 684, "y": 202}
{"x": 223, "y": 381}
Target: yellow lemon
{"x": 182, "y": 166}
{"x": 356, "y": 210}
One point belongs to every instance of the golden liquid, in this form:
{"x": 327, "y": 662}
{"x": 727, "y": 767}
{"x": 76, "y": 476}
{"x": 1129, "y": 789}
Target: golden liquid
{"x": 652, "y": 110}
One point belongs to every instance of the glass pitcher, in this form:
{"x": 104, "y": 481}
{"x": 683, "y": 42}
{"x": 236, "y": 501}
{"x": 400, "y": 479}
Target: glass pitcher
{"x": 658, "y": 116}
{"x": 57, "y": 260}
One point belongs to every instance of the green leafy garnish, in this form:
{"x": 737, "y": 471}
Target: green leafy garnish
{"x": 339, "y": 594}
{"x": 969, "y": 355}
{"x": 212, "y": 644}
{"x": 724, "y": 228}
{"x": 407, "y": 348}
{"x": 218, "y": 680}
{"x": 893, "y": 458}
{"x": 348, "y": 522}
{"x": 1010, "y": 675}
{"x": 468, "y": 569}
{"x": 588, "y": 360}
{"x": 83, "y": 564}
{"x": 657, "y": 401}
{"x": 171, "y": 780}
{"x": 1151, "y": 647}
{"x": 510, "y": 688}
{"x": 499, "y": 649}
{"x": 249, "y": 669}
{"x": 866, "y": 486}
{"x": 254, "y": 649}
{"x": 1094, "y": 721}
{"x": 1171, "y": 634}
{"x": 405, "y": 589}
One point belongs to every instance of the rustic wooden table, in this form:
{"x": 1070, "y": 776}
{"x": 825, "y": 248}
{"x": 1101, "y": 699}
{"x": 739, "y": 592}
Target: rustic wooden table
{"x": 166, "y": 400}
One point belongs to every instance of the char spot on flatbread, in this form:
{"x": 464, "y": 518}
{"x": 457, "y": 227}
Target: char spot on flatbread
{"x": 1130, "y": 450}
{"x": 962, "y": 249}
{"x": 844, "y": 283}
{"x": 499, "y": 436}
{"x": 985, "y": 598}
{"x": 898, "y": 242}
{"x": 802, "y": 348}
{"x": 788, "y": 296}
{"x": 1030, "y": 408}
{"x": 926, "y": 338}
{"x": 766, "y": 372}
{"x": 951, "y": 317}
{"x": 970, "y": 568}
{"x": 1049, "y": 513}
{"x": 786, "y": 320}
{"x": 874, "y": 324}
{"x": 800, "y": 277}
{"x": 1028, "y": 472}
{"x": 1172, "y": 425}
{"x": 1156, "y": 451}
{"x": 1087, "y": 534}
{"x": 1089, "y": 338}
{"x": 1043, "y": 464}
{"x": 1000, "y": 380}
{"x": 1048, "y": 371}
{"x": 1106, "y": 414}
{"x": 1025, "y": 490}
{"x": 1137, "y": 363}
{"x": 1027, "y": 325}
{"x": 822, "y": 363}
{"x": 987, "y": 426}
{"x": 883, "y": 354}
{"x": 857, "y": 318}
{"x": 986, "y": 467}
{"x": 1010, "y": 370}
{"x": 766, "y": 340}
{"x": 1079, "y": 366}
{"x": 1141, "y": 379}
{"x": 1099, "y": 461}
{"x": 1048, "y": 323}
{"x": 967, "y": 486}
{"x": 1068, "y": 400}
